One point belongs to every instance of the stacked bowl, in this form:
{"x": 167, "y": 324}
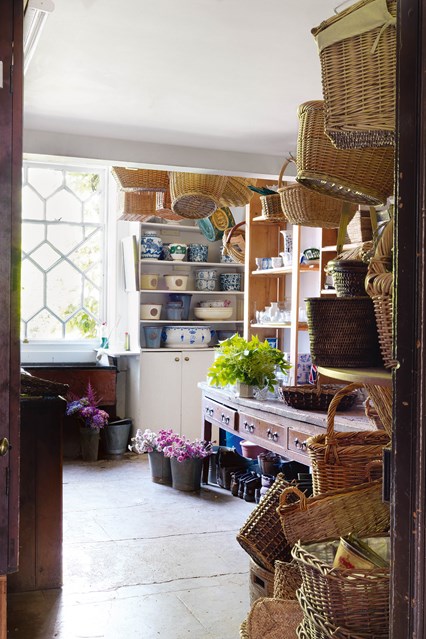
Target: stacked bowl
{"x": 205, "y": 280}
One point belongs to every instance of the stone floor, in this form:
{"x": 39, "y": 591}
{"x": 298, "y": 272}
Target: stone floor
{"x": 141, "y": 561}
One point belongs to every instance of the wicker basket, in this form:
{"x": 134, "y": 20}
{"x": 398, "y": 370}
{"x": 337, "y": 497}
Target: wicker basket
{"x": 262, "y": 536}
{"x": 287, "y": 579}
{"x": 234, "y": 242}
{"x": 348, "y": 277}
{"x": 382, "y": 398}
{"x": 140, "y": 179}
{"x": 236, "y": 191}
{"x": 37, "y": 387}
{"x": 359, "y": 509}
{"x": 339, "y": 460}
{"x": 364, "y": 176}
{"x": 138, "y": 206}
{"x": 243, "y": 630}
{"x": 306, "y": 207}
{"x": 342, "y": 332}
{"x": 309, "y": 397}
{"x": 359, "y": 76}
{"x": 359, "y": 228}
{"x": 356, "y": 599}
{"x": 271, "y": 207}
{"x": 163, "y": 207}
{"x": 274, "y": 619}
{"x": 261, "y": 582}
{"x": 196, "y": 195}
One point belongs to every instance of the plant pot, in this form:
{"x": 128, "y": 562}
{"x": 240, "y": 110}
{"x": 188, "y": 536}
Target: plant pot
{"x": 244, "y": 390}
{"x": 89, "y": 443}
{"x": 160, "y": 468}
{"x": 116, "y": 436}
{"x": 186, "y": 475}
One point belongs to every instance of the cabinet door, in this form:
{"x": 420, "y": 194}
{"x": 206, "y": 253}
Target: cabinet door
{"x": 160, "y": 390}
{"x": 194, "y": 370}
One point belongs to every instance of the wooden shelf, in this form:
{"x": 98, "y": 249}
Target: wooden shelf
{"x": 168, "y": 291}
{"x": 171, "y": 227}
{"x": 180, "y": 263}
{"x": 302, "y": 326}
{"x": 285, "y": 270}
{"x": 345, "y": 247}
{"x": 194, "y": 322}
{"x": 261, "y": 219}
{"x": 376, "y": 376}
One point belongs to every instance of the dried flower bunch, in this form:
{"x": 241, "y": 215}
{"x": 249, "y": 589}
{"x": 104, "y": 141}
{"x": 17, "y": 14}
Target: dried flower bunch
{"x": 86, "y": 409}
{"x": 169, "y": 443}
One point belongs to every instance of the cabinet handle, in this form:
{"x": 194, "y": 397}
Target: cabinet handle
{"x": 246, "y": 425}
{"x": 269, "y": 433}
{"x": 225, "y": 419}
{"x": 186, "y": 359}
{"x": 177, "y": 359}
{"x": 275, "y": 437}
{"x": 252, "y": 428}
{"x": 211, "y": 411}
{"x": 300, "y": 445}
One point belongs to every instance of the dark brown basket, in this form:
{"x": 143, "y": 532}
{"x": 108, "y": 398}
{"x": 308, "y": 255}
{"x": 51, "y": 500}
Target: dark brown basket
{"x": 308, "y": 397}
{"x": 348, "y": 277}
{"x": 262, "y": 535}
{"x": 343, "y": 332}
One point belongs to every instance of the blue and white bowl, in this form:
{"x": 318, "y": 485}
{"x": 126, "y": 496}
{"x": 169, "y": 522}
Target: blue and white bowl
{"x": 205, "y": 285}
{"x": 198, "y": 252}
{"x": 207, "y": 274}
{"x": 187, "y": 336}
{"x": 151, "y": 245}
{"x": 230, "y": 281}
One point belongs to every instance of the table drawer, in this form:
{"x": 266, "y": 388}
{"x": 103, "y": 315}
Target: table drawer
{"x": 251, "y": 426}
{"x": 220, "y": 414}
{"x": 296, "y": 441}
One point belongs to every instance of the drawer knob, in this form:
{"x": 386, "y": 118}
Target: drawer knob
{"x": 269, "y": 433}
{"x": 227, "y": 420}
{"x": 211, "y": 411}
{"x": 300, "y": 445}
{"x": 252, "y": 428}
{"x": 246, "y": 425}
{"x": 275, "y": 437}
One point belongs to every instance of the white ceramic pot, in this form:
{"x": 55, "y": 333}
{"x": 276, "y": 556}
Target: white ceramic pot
{"x": 187, "y": 336}
{"x": 177, "y": 251}
{"x": 149, "y": 281}
{"x": 176, "y": 282}
{"x": 151, "y": 311}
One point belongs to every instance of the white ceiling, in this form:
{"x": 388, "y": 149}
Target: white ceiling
{"x": 219, "y": 77}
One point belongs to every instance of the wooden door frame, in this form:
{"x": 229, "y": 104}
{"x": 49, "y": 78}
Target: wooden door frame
{"x": 408, "y": 608}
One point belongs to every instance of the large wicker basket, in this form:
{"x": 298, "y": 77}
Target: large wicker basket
{"x": 236, "y": 191}
{"x": 262, "y": 535}
{"x": 287, "y": 579}
{"x": 306, "y": 207}
{"x": 343, "y": 332}
{"x": 356, "y": 599}
{"x": 196, "y": 195}
{"x": 358, "y": 65}
{"x": 364, "y": 176}
{"x": 339, "y": 459}
{"x": 138, "y": 206}
{"x": 359, "y": 509}
{"x": 140, "y": 179}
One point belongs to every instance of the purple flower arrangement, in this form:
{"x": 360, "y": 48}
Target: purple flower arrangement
{"x": 170, "y": 444}
{"x": 86, "y": 409}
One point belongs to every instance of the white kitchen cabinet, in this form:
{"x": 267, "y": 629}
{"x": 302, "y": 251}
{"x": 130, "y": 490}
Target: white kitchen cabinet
{"x": 169, "y": 396}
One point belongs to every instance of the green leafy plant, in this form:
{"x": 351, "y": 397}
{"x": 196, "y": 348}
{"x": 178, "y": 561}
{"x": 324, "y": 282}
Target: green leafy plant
{"x": 249, "y": 362}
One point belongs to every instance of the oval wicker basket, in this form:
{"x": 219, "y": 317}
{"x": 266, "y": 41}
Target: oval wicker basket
{"x": 196, "y": 195}
{"x": 339, "y": 459}
{"x": 140, "y": 179}
{"x": 236, "y": 191}
{"x": 359, "y": 77}
{"x": 306, "y": 207}
{"x": 364, "y": 176}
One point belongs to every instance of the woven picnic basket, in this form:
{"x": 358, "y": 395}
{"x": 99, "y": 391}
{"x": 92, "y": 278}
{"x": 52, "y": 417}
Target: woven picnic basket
{"x": 236, "y": 191}
{"x": 262, "y": 535}
{"x": 358, "y": 509}
{"x": 287, "y": 579}
{"x": 363, "y": 176}
{"x": 342, "y": 332}
{"x": 137, "y": 206}
{"x": 196, "y": 195}
{"x": 140, "y": 179}
{"x": 357, "y": 50}
{"x": 306, "y": 207}
{"x": 233, "y": 242}
{"x": 355, "y": 599}
{"x": 339, "y": 459}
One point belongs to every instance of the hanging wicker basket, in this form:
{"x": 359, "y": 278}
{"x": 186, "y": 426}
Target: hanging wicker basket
{"x": 196, "y": 195}
{"x": 357, "y": 49}
{"x": 233, "y": 241}
{"x": 363, "y": 176}
{"x": 236, "y": 191}
{"x": 271, "y": 207}
{"x": 306, "y": 207}
{"x": 140, "y": 179}
{"x": 138, "y": 206}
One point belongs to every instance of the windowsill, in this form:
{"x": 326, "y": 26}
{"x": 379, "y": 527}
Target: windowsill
{"x": 58, "y": 353}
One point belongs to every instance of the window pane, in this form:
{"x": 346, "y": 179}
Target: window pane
{"x": 64, "y": 207}
{"x": 32, "y": 204}
{"x": 32, "y": 290}
{"x": 32, "y": 236}
{"x": 45, "y": 181}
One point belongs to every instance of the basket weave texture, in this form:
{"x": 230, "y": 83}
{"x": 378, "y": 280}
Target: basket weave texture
{"x": 196, "y": 195}
{"x": 359, "y": 228}
{"x": 261, "y": 582}
{"x": 364, "y": 176}
{"x": 342, "y": 332}
{"x": 356, "y": 599}
{"x": 359, "y": 509}
{"x": 233, "y": 241}
{"x": 262, "y": 535}
{"x": 348, "y": 277}
{"x": 271, "y": 207}
{"x": 274, "y": 619}
{"x": 306, "y": 207}
{"x": 137, "y": 205}
{"x": 340, "y": 460}
{"x": 243, "y": 630}
{"x": 287, "y": 579}
{"x": 382, "y": 398}
{"x": 309, "y": 397}
{"x": 140, "y": 179}
{"x": 38, "y": 387}
{"x": 236, "y": 191}
{"x": 359, "y": 80}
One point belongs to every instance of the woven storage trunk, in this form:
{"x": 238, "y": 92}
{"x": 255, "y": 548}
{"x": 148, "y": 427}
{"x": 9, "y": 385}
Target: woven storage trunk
{"x": 309, "y": 397}
{"x": 196, "y": 195}
{"x": 236, "y": 191}
{"x": 340, "y": 460}
{"x": 364, "y": 176}
{"x": 306, "y": 207}
{"x": 261, "y": 582}
{"x": 348, "y": 277}
{"x": 271, "y": 207}
{"x": 262, "y": 536}
{"x": 342, "y": 332}
{"x": 140, "y": 179}
{"x": 358, "y": 68}
{"x": 359, "y": 509}
{"x": 287, "y": 579}
{"x": 356, "y": 599}
{"x": 138, "y": 206}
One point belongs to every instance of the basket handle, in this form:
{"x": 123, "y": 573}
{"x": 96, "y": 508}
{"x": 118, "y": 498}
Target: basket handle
{"x": 287, "y": 161}
{"x": 330, "y": 438}
{"x": 293, "y": 490}
{"x": 369, "y": 467}
{"x": 233, "y": 229}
